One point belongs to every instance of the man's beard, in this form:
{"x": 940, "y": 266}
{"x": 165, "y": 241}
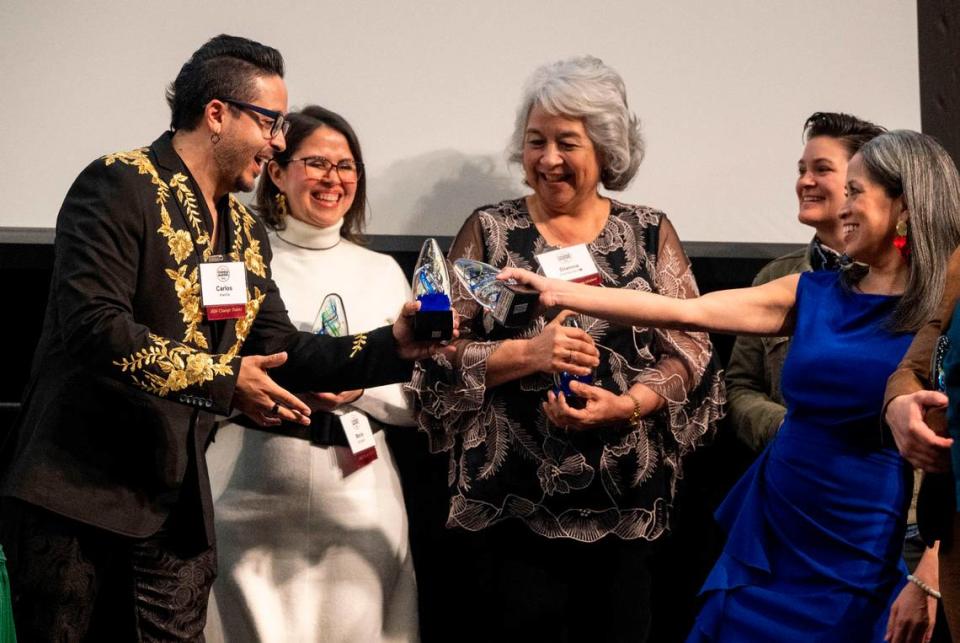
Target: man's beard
{"x": 232, "y": 160}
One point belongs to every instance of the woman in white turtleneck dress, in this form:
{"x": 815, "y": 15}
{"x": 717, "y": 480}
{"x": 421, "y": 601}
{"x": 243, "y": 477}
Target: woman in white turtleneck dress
{"x": 313, "y": 547}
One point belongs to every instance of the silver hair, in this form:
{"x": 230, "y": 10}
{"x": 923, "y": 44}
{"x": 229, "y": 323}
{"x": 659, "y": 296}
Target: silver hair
{"x": 916, "y": 167}
{"x": 586, "y": 88}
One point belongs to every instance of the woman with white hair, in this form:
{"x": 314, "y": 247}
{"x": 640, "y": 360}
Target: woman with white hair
{"x": 557, "y": 509}
{"x": 816, "y": 525}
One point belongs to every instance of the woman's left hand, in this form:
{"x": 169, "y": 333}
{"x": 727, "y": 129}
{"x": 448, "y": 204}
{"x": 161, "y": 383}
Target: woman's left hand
{"x": 330, "y": 401}
{"x": 912, "y": 616}
{"x": 602, "y": 408}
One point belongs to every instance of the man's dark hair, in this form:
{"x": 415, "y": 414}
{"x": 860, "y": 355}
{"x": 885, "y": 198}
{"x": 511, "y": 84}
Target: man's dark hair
{"x": 851, "y": 131}
{"x": 224, "y": 67}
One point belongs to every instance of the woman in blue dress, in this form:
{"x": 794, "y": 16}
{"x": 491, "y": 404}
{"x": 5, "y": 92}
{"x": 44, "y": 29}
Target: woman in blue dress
{"x": 815, "y": 527}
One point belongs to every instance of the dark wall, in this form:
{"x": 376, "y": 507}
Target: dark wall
{"x": 938, "y": 31}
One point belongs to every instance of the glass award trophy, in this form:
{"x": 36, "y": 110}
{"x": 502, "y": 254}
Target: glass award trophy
{"x": 332, "y": 318}
{"x": 510, "y": 303}
{"x": 431, "y": 287}
{"x": 561, "y": 381}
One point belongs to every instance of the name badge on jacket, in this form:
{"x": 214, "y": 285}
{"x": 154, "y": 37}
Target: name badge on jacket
{"x": 223, "y": 288}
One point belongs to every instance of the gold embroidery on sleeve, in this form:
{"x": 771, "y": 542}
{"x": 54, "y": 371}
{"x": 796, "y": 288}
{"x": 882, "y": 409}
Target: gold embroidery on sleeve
{"x": 358, "y": 343}
{"x": 185, "y": 366}
{"x": 180, "y": 366}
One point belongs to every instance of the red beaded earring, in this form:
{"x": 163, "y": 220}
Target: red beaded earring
{"x": 900, "y": 241}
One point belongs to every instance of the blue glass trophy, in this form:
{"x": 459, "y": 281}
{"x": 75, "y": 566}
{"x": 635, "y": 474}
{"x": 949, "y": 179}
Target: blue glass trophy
{"x": 332, "y": 318}
{"x": 431, "y": 287}
{"x": 511, "y": 304}
{"x": 561, "y": 381}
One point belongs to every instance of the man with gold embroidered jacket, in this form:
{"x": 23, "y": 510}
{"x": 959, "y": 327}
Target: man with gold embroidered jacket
{"x": 107, "y": 514}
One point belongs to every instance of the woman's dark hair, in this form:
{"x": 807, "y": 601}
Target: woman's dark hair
{"x": 303, "y": 124}
{"x": 224, "y": 67}
{"x": 851, "y": 131}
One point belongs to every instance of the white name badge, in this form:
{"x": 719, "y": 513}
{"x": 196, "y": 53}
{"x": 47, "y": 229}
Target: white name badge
{"x": 356, "y": 426}
{"x": 223, "y": 289}
{"x": 570, "y": 264}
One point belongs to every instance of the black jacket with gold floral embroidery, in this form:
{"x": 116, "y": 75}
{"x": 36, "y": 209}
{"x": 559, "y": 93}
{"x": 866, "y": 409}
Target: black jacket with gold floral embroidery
{"x": 128, "y": 373}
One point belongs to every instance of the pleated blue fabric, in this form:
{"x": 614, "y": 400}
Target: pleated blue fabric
{"x": 816, "y": 525}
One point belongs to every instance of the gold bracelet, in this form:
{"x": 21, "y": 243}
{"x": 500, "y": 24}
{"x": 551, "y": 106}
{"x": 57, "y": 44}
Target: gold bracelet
{"x": 636, "y": 418}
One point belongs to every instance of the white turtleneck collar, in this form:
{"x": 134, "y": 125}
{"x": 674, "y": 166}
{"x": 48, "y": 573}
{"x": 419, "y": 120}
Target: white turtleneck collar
{"x": 310, "y": 237}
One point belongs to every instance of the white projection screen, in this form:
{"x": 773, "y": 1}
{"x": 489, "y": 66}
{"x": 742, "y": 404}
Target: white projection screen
{"x": 722, "y": 89}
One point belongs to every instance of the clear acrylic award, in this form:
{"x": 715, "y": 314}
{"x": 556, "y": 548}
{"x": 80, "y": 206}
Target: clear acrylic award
{"x": 511, "y": 304}
{"x": 431, "y": 287}
{"x": 332, "y": 318}
{"x": 561, "y": 381}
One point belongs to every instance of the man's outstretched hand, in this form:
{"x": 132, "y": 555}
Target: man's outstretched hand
{"x": 261, "y": 399}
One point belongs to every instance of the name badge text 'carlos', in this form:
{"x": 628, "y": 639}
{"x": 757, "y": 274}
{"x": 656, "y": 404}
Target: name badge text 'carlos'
{"x": 223, "y": 289}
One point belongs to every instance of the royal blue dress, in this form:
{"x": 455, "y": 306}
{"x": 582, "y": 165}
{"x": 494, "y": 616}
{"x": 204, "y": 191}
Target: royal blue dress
{"x": 816, "y": 525}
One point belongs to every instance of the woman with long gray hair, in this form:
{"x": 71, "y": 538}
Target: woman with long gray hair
{"x": 816, "y": 525}
{"x": 555, "y": 511}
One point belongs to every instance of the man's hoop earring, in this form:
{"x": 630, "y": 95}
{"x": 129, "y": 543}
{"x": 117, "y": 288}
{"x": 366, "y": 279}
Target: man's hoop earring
{"x": 214, "y": 138}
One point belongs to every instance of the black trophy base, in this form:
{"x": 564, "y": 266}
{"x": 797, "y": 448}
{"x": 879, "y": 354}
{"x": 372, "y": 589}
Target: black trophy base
{"x": 433, "y": 325}
{"x": 516, "y": 306}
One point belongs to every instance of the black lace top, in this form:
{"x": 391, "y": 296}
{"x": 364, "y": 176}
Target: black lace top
{"x": 506, "y": 458}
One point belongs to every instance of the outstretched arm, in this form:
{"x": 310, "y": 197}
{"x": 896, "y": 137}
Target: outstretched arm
{"x": 759, "y": 310}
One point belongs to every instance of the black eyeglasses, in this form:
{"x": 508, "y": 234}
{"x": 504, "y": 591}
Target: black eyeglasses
{"x": 278, "y": 124}
{"x": 317, "y": 167}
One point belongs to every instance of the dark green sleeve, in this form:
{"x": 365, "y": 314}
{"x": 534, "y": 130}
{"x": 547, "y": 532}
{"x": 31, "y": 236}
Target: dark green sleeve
{"x": 755, "y": 415}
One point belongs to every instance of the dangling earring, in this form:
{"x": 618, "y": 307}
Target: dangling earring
{"x": 900, "y": 241}
{"x": 281, "y": 200}
{"x": 215, "y": 138}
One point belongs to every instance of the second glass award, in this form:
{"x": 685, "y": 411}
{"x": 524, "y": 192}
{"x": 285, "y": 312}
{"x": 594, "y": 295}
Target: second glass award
{"x": 431, "y": 287}
{"x": 511, "y": 304}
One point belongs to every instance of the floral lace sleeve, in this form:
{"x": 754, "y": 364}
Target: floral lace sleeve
{"x": 683, "y": 374}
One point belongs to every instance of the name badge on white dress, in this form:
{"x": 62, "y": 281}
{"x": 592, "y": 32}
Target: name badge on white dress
{"x": 223, "y": 288}
{"x": 356, "y": 426}
{"x": 570, "y": 264}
